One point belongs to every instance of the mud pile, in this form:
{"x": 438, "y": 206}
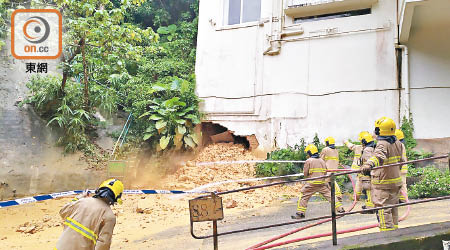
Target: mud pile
{"x": 193, "y": 175}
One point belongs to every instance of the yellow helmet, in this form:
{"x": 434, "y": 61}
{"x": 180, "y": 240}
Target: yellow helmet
{"x": 329, "y": 141}
{"x": 115, "y": 186}
{"x": 311, "y": 149}
{"x": 385, "y": 126}
{"x": 366, "y": 138}
{"x": 399, "y": 134}
{"x": 361, "y": 134}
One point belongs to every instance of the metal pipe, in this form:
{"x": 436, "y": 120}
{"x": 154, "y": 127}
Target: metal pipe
{"x": 326, "y": 176}
{"x": 215, "y": 238}
{"x": 405, "y": 76}
{"x": 325, "y": 217}
{"x": 333, "y": 209}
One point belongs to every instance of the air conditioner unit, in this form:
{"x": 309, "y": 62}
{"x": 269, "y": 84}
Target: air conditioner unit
{"x": 300, "y": 8}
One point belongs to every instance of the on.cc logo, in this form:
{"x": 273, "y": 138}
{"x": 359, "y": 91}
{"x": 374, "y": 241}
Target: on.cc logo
{"x": 36, "y": 34}
{"x": 36, "y": 29}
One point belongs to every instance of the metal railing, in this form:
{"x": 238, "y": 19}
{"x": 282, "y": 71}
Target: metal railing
{"x": 333, "y": 215}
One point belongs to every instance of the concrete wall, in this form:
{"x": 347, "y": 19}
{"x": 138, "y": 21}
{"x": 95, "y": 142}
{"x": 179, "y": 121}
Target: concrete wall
{"x": 336, "y": 78}
{"x": 429, "y": 53}
{"x": 30, "y": 163}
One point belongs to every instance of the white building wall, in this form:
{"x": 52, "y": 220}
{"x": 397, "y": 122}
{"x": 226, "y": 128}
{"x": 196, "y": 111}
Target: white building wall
{"x": 429, "y": 55}
{"x": 335, "y": 79}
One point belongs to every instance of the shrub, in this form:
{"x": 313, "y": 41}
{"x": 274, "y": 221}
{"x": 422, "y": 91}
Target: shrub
{"x": 295, "y": 153}
{"x": 66, "y": 110}
{"x": 433, "y": 183}
{"x": 410, "y": 143}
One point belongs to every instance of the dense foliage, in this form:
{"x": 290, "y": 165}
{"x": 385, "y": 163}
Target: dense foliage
{"x": 114, "y": 61}
{"x": 3, "y": 21}
{"x": 433, "y": 182}
{"x": 407, "y": 127}
{"x": 296, "y": 153}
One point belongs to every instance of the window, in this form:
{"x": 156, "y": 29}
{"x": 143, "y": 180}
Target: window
{"x": 332, "y": 15}
{"x": 241, "y": 11}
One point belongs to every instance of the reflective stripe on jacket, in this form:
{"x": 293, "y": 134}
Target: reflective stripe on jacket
{"x": 88, "y": 224}
{"x": 367, "y": 153}
{"x": 386, "y": 153}
{"x": 331, "y": 157}
{"x": 315, "y": 167}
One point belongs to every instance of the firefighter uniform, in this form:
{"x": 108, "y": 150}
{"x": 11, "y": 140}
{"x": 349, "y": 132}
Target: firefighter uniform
{"x": 89, "y": 222}
{"x": 404, "y": 170}
{"x": 386, "y": 182}
{"x": 357, "y": 151}
{"x": 368, "y": 152}
{"x": 314, "y": 167}
{"x": 331, "y": 157}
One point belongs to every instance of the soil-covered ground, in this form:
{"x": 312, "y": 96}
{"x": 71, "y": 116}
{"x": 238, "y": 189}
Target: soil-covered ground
{"x": 143, "y": 219}
{"x": 162, "y": 221}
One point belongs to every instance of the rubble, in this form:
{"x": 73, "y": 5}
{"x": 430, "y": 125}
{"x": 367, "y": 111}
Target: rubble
{"x": 231, "y": 204}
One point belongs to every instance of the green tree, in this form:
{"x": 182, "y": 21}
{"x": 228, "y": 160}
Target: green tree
{"x": 98, "y": 42}
{"x": 111, "y": 64}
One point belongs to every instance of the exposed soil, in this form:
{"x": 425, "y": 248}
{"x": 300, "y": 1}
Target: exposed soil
{"x": 142, "y": 220}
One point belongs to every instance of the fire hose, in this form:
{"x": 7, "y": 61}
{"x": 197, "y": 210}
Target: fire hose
{"x": 260, "y": 246}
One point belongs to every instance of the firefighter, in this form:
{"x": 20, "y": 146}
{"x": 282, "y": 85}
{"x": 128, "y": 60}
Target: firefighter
{"x": 89, "y": 221}
{"x": 357, "y": 150}
{"x": 404, "y": 170}
{"x": 368, "y": 151}
{"x": 386, "y": 182}
{"x": 314, "y": 167}
{"x": 331, "y": 157}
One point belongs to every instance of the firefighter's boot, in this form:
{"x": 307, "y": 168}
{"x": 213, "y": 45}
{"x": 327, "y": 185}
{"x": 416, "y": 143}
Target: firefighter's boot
{"x": 341, "y": 210}
{"x": 298, "y": 216}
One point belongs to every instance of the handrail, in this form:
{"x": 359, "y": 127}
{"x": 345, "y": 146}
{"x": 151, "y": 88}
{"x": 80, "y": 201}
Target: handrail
{"x": 321, "y": 217}
{"x": 333, "y": 215}
{"x": 327, "y": 176}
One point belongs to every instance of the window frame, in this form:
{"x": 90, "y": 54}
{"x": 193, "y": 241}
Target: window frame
{"x": 226, "y": 11}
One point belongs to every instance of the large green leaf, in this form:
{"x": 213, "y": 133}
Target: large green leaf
{"x": 146, "y": 136}
{"x": 164, "y": 141}
{"x": 171, "y": 102}
{"x": 159, "y": 87}
{"x": 145, "y": 114}
{"x": 155, "y": 117}
{"x": 150, "y": 129}
{"x": 181, "y": 129}
{"x": 188, "y": 140}
{"x": 193, "y": 118}
{"x": 172, "y": 28}
{"x": 175, "y": 84}
{"x": 180, "y": 121}
{"x": 160, "y": 124}
{"x": 194, "y": 138}
{"x": 163, "y": 30}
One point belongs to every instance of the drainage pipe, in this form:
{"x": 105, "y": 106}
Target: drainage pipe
{"x": 405, "y": 76}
